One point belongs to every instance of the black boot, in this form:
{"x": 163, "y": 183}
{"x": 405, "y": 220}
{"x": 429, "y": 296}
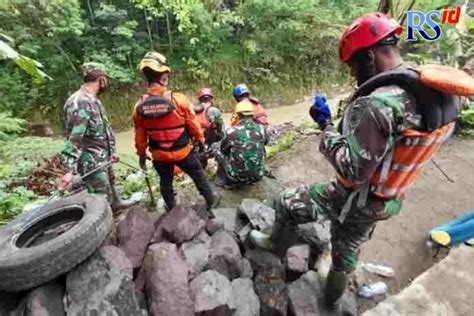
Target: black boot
{"x": 117, "y": 204}
{"x": 335, "y": 287}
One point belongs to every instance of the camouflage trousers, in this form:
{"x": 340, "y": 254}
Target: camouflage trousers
{"x": 325, "y": 201}
{"x": 100, "y": 182}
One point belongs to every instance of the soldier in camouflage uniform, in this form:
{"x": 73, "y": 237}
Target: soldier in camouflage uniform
{"x": 90, "y": 140}
{"x": 370, "y": 127}
{"x": 241, "y": 154}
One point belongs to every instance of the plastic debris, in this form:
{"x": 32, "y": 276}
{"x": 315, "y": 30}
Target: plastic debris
{"x": 371, "y": 290}
{"x": 379, "y": 270}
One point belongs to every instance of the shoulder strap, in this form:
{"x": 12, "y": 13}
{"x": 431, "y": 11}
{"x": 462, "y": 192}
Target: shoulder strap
{"x": 436, "y": 108}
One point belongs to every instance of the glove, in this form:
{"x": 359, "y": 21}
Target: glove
{"x": 142, "y": 161}
{"x": 320, "y": 112}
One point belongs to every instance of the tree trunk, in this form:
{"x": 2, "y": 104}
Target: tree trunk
{"x": 91, "y": 11}
{"x": 168, "y": 27}
{"x": 148, "y": 29}
{"x": 386, "y": 6}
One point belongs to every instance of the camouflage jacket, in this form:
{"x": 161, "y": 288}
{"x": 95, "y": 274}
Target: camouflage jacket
{"x": 90, "y": 139}
{"x": 369, "y": 128}
{"x": 244, "y": 150}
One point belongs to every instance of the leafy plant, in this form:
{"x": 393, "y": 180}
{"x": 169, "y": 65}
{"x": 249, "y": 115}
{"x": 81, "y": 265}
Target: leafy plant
{"x": 10, "y": 126}
{"x": 283, "y": 144}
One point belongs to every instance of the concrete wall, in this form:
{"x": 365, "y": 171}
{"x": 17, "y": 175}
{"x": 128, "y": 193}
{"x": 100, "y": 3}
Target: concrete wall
{"x": 446, "y": 289}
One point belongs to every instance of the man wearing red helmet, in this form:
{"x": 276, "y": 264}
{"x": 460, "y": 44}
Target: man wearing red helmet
{"x": 392, "y": 126}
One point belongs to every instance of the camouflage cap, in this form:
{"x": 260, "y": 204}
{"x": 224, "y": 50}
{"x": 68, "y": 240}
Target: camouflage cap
{"x": 93, "y": 69}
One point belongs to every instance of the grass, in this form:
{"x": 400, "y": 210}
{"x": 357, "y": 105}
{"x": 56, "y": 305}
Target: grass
{"x": 285, "y": 143}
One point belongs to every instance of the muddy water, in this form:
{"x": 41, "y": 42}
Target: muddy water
{"x": 296, "y": 113}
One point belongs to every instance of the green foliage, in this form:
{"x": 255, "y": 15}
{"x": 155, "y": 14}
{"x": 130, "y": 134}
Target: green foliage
{"x": 283, "y": 144}
{"x": 10, "y": 126}
{"x": 17, "y": 157}
{"x": 466, "y": 122}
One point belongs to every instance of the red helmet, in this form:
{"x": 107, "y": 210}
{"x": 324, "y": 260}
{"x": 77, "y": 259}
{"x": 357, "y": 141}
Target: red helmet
{"x": 204, "y": 92}
{"x": 365, "y": 32}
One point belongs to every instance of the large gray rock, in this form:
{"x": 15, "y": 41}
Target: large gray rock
{"x": 196, "y": 254}
{"x": 260, "y": 216}
{"x": 246, "y": 302}
{"x": 316, "y": 233}
{"x": 179, "y": 225}
{"x": 102, "y": 285}
{"x": 244, "y": 232}
{"x": 297, "y": 258}
{"x": 46, "y": 300}
{"x": 225, "y": 256}
{"x": 304, "y": 294}
{"x": 269, "y": 282}
{"x": 227, "y": 216}
{"x": 246, "y": 270}
{"x": 212, "y": 294}
{"x": 214, "y": 225}
{"x": 167, "y": 281}
{"x": 134, "y": 234}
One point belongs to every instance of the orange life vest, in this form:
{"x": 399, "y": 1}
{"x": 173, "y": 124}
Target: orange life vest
{"x": 402, "y": 166}
{"x": 165, "y": 127}
{"x": 414, "y": 148}
{"x": 203, "y": 118}
{"x": 260, "y": 115}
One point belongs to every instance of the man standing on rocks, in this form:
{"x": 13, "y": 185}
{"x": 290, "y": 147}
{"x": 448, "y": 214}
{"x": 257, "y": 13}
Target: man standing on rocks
{"x": 165, "y": 125}
{"x": 241, "y": 154}
{"x": 90, "y": 139}
{"x": 386, "y": 135}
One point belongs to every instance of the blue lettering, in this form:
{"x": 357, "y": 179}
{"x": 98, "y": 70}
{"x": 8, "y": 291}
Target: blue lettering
{"x": 422, "y": 19}
{"x": 412, "y": 26}
{"x": 436, "y": 28}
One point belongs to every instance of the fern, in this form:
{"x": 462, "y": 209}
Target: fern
{"x": 10, "y": 126}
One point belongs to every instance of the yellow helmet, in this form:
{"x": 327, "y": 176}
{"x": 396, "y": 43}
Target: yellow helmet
{"x": 245, "y": 108}
{"x": 155, "y": 61}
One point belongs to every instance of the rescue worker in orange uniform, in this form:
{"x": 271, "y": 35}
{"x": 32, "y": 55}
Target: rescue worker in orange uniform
{"x": 394, "y": 124}
{"x": 210, "y": 118}
{"x": 165, "y": 125}
{"x": 241, "y": 93}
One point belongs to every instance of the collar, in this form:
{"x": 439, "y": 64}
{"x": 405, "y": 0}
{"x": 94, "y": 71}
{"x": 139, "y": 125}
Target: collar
{"x": 156, "y": 90}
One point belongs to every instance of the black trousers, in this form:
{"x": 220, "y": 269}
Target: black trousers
{"x": 193, "y": 168}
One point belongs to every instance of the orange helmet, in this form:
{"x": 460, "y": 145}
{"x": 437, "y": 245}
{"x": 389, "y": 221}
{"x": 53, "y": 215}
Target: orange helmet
{"x": 365, "y": 32}
{"x": 205, "y": 92}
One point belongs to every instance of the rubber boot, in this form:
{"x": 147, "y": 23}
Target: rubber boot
{"x": 170, "y": 204}
{"x": 335, "y": 287}
{"x": 211, "y": 203}
{"x": 117, "y": 203}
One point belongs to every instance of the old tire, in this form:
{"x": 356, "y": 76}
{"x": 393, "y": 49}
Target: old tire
{"x": 24, "y": 265}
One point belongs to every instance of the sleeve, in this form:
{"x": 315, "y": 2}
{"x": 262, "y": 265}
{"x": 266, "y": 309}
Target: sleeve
{"x": 192, "y": 125}
{"x": 226, "y": 144}
{"x": 141, "y": 138}
{"x": 367, "y": 137}
{"x": 77, "y": 121}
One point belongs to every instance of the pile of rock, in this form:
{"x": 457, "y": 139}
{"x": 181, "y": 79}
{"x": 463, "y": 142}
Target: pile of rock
{"x": 183, "y": 264}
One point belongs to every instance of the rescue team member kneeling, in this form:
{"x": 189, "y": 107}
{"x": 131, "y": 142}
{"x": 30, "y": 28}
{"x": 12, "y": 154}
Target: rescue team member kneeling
{"x": 393, "y": 125}
{"x": 165, "y": 125}
{"x": 241, "y": 154}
